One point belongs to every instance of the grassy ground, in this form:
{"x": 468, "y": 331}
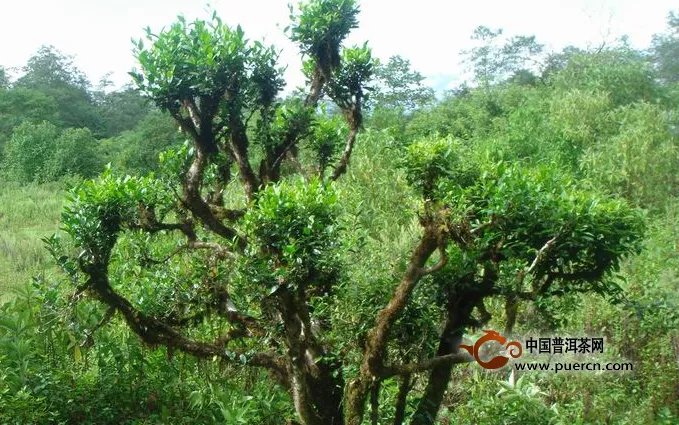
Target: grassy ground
{"x": 27, "y": 214}
{"x": 644, "y": 334}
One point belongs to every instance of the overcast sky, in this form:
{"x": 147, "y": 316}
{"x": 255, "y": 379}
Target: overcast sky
{"x": 430, "y": 33}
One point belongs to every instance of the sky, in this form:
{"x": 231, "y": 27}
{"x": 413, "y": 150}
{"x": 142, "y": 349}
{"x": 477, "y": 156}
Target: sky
{"x": 429, "y": 33}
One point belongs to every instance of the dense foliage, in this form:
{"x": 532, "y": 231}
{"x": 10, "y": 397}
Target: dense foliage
{"x": 317, "y": 258}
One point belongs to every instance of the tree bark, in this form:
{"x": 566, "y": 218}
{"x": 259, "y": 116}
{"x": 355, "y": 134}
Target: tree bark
{"x": 402, "y": 399}
{"x": 511, "y": 310}
{"x": 375, "y": 403}
{"x": 439, "y": 377}
{"x": 373, "y": 358}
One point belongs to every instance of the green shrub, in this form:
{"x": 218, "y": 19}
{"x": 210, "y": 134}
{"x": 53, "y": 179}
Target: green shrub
{"x": 41, "y": 152}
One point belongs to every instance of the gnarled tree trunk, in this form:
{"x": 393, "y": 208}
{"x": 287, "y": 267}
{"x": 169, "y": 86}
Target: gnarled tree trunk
{"x": 439, "y": 376}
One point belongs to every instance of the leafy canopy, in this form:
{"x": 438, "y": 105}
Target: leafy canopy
{"x": 320, "y": 27}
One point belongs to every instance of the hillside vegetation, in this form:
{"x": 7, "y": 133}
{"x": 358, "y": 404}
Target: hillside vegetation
{"x": 201, "y": 248}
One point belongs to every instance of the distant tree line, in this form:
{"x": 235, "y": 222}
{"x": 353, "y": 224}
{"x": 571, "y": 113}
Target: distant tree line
{"x": 54, "y": 123}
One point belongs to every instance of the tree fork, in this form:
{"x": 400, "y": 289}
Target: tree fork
{"x": 439, "y": 376}
{"x": 373, "y": 359}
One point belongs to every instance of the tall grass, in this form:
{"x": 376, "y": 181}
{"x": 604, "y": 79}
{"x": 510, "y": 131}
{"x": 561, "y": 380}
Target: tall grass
{"x": 380, "y": 210}
{"x": 27, "y": 213}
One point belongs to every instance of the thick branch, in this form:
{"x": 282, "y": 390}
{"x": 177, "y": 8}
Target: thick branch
{"x": 511, "y": 311}
{"x": 375, "y": 403}
{"x": 219, "y": 250}
{"x": 353, "y": 116}
{"x": 483, "y": 311}
{"x": 149, "y": 223}
{"x": 402, "y": 399}
{"x": 155, "y": 332}
{"x": 540, "y": 255}
{"x": 536, "y": 261}
{"x": 298, "y": 365}
{"x": 186, "y": 125}
{"x": 459, "y": 307}
{"x": 226, "y": 213}
{"x": 440, "y": 265}
{"x": 238, "y": 141}
{"x": 278, "y": 154}
{"x": 228, "y": 310}
{"x": 343, "y": 163}
{"x": 193, "y": 114}
{"x": 247, "y": 175}
{"x": 273, "y": 162}
{"x": 411, "y": 368}
{"x": 378, "y": 337}
{"x": 317, "y": 82}
{"x": 387, "y": 317}
{"x": 193, "y": 200}
{"x": 216, "y": 197}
